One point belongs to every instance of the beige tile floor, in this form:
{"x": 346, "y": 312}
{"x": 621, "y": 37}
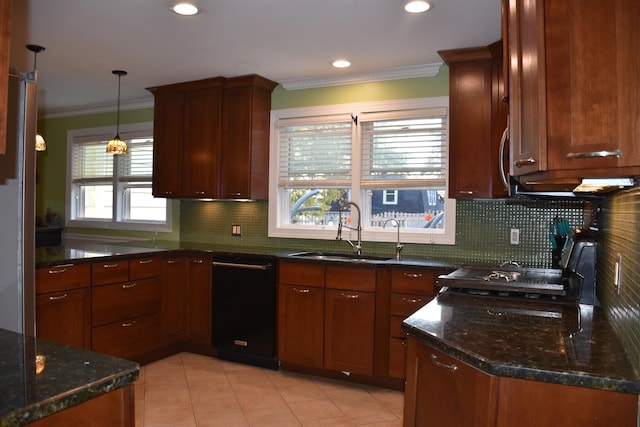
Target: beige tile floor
{"x": 188, "y": 390}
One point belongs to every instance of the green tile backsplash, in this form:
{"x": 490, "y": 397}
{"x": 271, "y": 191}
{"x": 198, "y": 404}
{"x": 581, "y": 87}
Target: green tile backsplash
{"x": 619, "y": 222}
{"x": 482, "y": 230}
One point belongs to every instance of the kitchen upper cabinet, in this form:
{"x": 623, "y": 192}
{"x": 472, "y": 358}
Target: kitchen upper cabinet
{"x": 244, "y": 170}
{"x": 211, "y": 138}
{"x": 478, "y": 119}
{"x": 574, "y": 92}
{"x": 187, "y": 126}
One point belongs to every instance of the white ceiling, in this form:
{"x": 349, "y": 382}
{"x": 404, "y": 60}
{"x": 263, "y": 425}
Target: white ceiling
{"x": 279, "y": 39}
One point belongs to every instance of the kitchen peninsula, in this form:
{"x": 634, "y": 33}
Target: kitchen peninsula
{"x": 67, "y": 387}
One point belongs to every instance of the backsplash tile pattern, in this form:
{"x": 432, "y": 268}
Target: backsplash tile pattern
{"x": 482, "y": 230}
{"x": 620, "y": 233}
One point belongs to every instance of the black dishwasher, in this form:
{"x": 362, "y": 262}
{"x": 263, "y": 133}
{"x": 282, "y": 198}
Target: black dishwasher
{"x": 244, "y": 309}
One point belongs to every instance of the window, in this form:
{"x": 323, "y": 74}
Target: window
{"x": 110, "y": 191}
{"x": 390, "y": 158}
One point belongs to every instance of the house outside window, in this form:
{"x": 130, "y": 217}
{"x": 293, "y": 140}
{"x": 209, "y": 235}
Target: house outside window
{"x": 113, "y": 192}
{"x": 388, "y": 157}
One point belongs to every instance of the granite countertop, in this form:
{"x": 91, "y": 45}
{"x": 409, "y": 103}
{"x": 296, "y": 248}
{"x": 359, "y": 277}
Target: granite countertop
{"x": 550, "y": 342}
{"x": 84, "y": 251}
{"x": 70, "y": 376}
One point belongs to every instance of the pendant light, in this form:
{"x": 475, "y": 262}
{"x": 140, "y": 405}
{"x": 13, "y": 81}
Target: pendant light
{"x": 117, "y": 145}
{"x": 41, "y": 145}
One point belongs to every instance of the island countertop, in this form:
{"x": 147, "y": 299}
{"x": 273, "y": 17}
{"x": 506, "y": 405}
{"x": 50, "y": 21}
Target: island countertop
{"x": 557, "y": 343}
{"x": 70, "y": 376}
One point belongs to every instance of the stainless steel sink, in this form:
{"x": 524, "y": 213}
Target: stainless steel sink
{"x": 328, "y": 256}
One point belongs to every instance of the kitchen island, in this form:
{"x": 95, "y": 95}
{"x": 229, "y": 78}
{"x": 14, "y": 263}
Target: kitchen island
{"x": 69, "y": 386}
{"x": 499, "y": 360}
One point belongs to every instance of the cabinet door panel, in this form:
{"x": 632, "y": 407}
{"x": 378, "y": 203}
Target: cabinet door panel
{"x": 413, "y": 281}
{"x": 351, "y": 278}
{"x": 349, "y": 331}
{"x": 62, "y": 277}
{"x": 114, "y": 271}
{"x": 128, "y": 339}
{"x": 168, "y": 118}
{"x": 301, "y": 274}
{"x": 174, "y": 295}
{"x": 144, "y": 268}
{"x": 397, "y": 357}
{"x": 65, "y": 317}
{"x": 300, "y": 324}
{"x": 199, "y": 301}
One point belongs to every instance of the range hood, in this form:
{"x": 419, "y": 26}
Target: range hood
{"x": 568, "y": 187}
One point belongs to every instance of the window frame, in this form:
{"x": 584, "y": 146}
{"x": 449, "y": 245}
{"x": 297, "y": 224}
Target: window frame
{"x": 104, "y": 133}
{"x": 277, "y": 227}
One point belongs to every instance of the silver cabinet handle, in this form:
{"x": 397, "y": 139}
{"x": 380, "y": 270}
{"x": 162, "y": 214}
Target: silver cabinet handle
{"x": 524, "y": 162}
{"x": 434, "y": 360}
{"x": 110, "y": 265}
{"x": 501, "y": 153}
{"x": 591, "y": 154}
{"x": 128, "y": 286}
{"x": 62, "y": 270}
{"x": 128, "y": 324}
{"x": 301, "y": 291}
{"x": 58, "y": 297}
{"x": 412, "y": 300}
{"x": 351, "y": 296}
{"x": 197, "y": 261}
{"x": 145, "y": 261}
{"x": 467, "y": 192}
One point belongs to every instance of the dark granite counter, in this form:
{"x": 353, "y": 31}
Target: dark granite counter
{"x": 81, "y": 251}
{"x": 565, "y": 344}
{"x": 70, "y": 376}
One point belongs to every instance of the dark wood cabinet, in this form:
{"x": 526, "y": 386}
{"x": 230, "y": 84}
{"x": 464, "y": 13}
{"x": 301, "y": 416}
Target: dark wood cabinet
{"x": 301, "y": 313}
{"x": 443, "y": 391}
{"x": 411, "y": 289}
{"x": 349, "y": 317}
{"x": 244, "y": 170}
{"x": 63, "y": 304}
{"x": 174, "y": 296}
{"x": 126, "y": 313}
{"x": 199, "y": 301}
{"x": 211, "y": 138}
{"x": 477, "y": 121}
{"x": 574, "y": 92}
{"x": 187, "y": 126}
{"x": 5, "y": 51}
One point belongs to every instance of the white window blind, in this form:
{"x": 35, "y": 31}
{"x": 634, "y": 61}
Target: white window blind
{"x": 91, "y": 163}
{"x": 404, "y": 152}
{"x": 316, "y": 153}
{"x": 137, "y": 165}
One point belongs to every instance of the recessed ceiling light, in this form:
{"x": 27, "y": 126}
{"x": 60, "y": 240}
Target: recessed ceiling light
{"x": 341, "y": 63}
{"x": 417, "y": 6}
{"x": 185, "y": 9}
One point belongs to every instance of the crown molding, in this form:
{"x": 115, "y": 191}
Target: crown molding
{"x": 95, "y": 109}
{"x": 410, "y": 72}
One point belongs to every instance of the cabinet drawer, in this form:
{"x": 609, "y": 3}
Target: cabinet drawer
{"x": 301, "y": 274}
{"x": 413, "y": 280}
{"x": 128, "y": 339}
{"x": 106, "y": 272}
{"x": 395, "y": 327}
{"x": 62, "y": 277}
{"x": 351, "y": 278}
{"x": 406, "y": 304}
{"x": 122, "y": 301}
{"x": 144, "y": 268}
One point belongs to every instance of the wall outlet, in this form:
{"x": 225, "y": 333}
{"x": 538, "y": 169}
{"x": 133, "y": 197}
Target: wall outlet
{"x": 514, "y": 236}
{"x": 236, "y": 230}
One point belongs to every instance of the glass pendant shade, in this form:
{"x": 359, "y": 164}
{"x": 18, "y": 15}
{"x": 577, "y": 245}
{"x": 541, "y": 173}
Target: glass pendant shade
{"x": 41, "y": 145}
{"x": 117, "y": 144}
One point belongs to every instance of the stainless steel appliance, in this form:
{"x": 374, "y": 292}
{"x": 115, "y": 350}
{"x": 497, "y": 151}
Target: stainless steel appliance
{"x": 244, "y": 309}
{"x": 571, "y": 284}
{"x": 17, "y": 213}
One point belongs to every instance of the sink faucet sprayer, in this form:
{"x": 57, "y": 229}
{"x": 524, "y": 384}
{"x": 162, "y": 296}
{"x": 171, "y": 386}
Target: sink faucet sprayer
{"x": 398, "y": 245}
{"x": 357, "y": 248}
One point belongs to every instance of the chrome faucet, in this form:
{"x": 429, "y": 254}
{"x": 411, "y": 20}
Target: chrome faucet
{"x": 398, "y": 245}
{"x": 357, "y": 248}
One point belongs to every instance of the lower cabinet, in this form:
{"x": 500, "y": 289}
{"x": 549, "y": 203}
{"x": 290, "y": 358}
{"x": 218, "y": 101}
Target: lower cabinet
{"x": 443, "y": 391}
{"x": 326, "y": 316}
{"x": 199, "y": 300}
{"x": 63, "y": 304}
{"x": 174, "y": 295}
